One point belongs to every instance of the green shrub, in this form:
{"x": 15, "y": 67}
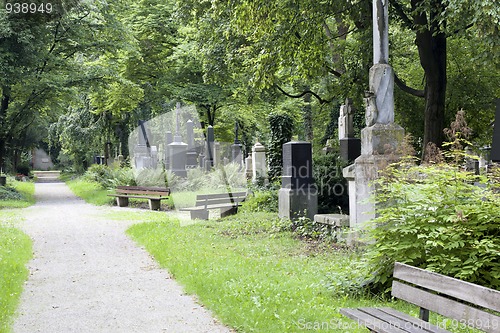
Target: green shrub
{"x": 332, "y": 186}
{"x": 109, "y": 177}
{"x": 435, "y": 217}
{"x": 9, "y": 193}
{"x": 261, "y": 201}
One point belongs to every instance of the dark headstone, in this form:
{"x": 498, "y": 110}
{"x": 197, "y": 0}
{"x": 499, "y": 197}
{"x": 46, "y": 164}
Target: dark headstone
{"x": 350, "y": 149}
{"x": 495, "y": 146}
{"x": 298, "y": 195}
{"x": 297, "y": 165}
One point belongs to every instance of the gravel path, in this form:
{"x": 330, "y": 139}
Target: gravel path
{"x": 88, "y": 276}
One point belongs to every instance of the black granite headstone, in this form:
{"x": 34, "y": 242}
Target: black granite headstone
{"x": 297, "y": 165}
{"x": 495, "y": 145}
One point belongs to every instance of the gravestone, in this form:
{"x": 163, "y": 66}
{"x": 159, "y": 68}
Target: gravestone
{"x": 350, "y": 147}
{"x": 236, "y": 153}
{"x": 495, "y": 145}
{"x": 248, "y": 166}
{"x": 169, "y": 138}
{"x": 209, "y": 148}
{"x": 142, "y": 151}
{"x": 192, "y": 155}
{"x": 381, "y": 138}
{"x": 259, "y": 165}
{"x": 178, "y": 150}
{"x": 298, "y": 195}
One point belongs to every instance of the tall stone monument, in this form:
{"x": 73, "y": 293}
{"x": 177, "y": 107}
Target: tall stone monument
{"x": 236, "y": 151}
{"x": 298, "y": 195}
{"x": 381, "y": 137}
{"x": 191, "y": 155}
{"x": 178, "y": 150}
{"x": 209, "y": 148}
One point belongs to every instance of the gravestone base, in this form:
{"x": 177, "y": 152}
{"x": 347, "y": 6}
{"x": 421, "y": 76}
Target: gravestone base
{"x": 191, "y": 159}
{"x": 350, "y": 149}
{"x": 381, "y": 139}
{"x": 294, "y": 203}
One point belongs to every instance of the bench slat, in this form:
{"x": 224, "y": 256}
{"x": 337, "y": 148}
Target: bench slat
{"x": 137, "y": 197}
{"x": 197, "y": 208}
{"x": 446, "y": 307}
{"x": 370, "y": 322}
{"x": 414, "y": 321}
{"x": 226, "y": 201}
{"x": 220, "y": 195}
{"x": 465, "y": 291}
{"x": 165, "y": 193}
{"x": 143, "y": 188}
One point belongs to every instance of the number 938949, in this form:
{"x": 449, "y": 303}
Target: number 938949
{"x": 28, "y": 7}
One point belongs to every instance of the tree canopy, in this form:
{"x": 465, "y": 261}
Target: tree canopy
{"x": 121, "y": 61}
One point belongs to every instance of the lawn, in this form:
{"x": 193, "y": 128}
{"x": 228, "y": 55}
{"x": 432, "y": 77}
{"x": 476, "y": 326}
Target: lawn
{"x": 15, "y": 250}
{"x": 253, "y": 276}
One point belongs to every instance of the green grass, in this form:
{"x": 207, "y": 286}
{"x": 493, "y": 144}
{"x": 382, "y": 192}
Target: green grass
{"x": 89, "y": 191}
{"x": 26, "y": 189}
{"x": 15, "y": 252}
{"x": 253, "y": 277}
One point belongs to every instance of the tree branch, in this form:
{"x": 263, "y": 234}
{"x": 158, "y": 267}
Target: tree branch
{"x": 406, "y": 89}
{"x": 401, "y": 13}
{"x": 320, "y": 100}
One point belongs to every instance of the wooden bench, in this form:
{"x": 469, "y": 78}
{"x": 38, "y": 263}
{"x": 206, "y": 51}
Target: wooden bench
{"x": 467, "y": 304}
{"x": 153, "y": 194}
{"x": 228, "y": 204}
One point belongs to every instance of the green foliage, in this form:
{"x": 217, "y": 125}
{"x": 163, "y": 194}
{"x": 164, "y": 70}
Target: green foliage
{"x": 439, "y": 218}
{"x": 15, "y": 252}
{"x": 332, "y": 186}
{"x": 264, "y": 200}
{"x": 109, "y": 177}
{"x": 90, "y": 191}
{"x": 17, "y": 194}
{"x": 281, "y": 125}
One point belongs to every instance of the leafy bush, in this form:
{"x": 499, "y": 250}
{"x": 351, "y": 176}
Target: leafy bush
{"x": 109, "y": 177}
{"x": 281, "y": 132}
{"x": 9, "y": 193}
{"x": 332, "y": 186}
{"x": 439, "y": 218}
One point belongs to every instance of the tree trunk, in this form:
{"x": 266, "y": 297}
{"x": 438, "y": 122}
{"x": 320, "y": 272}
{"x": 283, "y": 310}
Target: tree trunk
{"x": 307, "y": 117}
{"x": 431, "y": 43}
{"x": 4, "y": 105}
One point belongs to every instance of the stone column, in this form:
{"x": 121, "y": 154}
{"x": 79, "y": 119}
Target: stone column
{"x": 259, "y": 165}
{"x": 169, "y": 138}
{"x": 217, "y": 154}
{"x": 248, "y": 166}
{"x": 381, "y": 138}
{"x": 178, "y": 150}
{"x": 298, "y": 195}
{"x": 192, "y": 155}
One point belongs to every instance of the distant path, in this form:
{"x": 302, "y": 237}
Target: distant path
{"x": 88, "y": 276}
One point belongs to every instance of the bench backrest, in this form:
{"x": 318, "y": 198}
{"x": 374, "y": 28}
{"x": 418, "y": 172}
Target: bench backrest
{"x": 463, "y": 301}
{"x": 143, "y": 190}
{"x": 220, "y": 198}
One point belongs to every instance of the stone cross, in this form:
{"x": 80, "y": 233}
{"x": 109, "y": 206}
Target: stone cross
{"x": 346, "y": 120}
{"x": 380, "y": 32}
{"x": 380, "y": 98}
{"x": 177, "y": 137}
